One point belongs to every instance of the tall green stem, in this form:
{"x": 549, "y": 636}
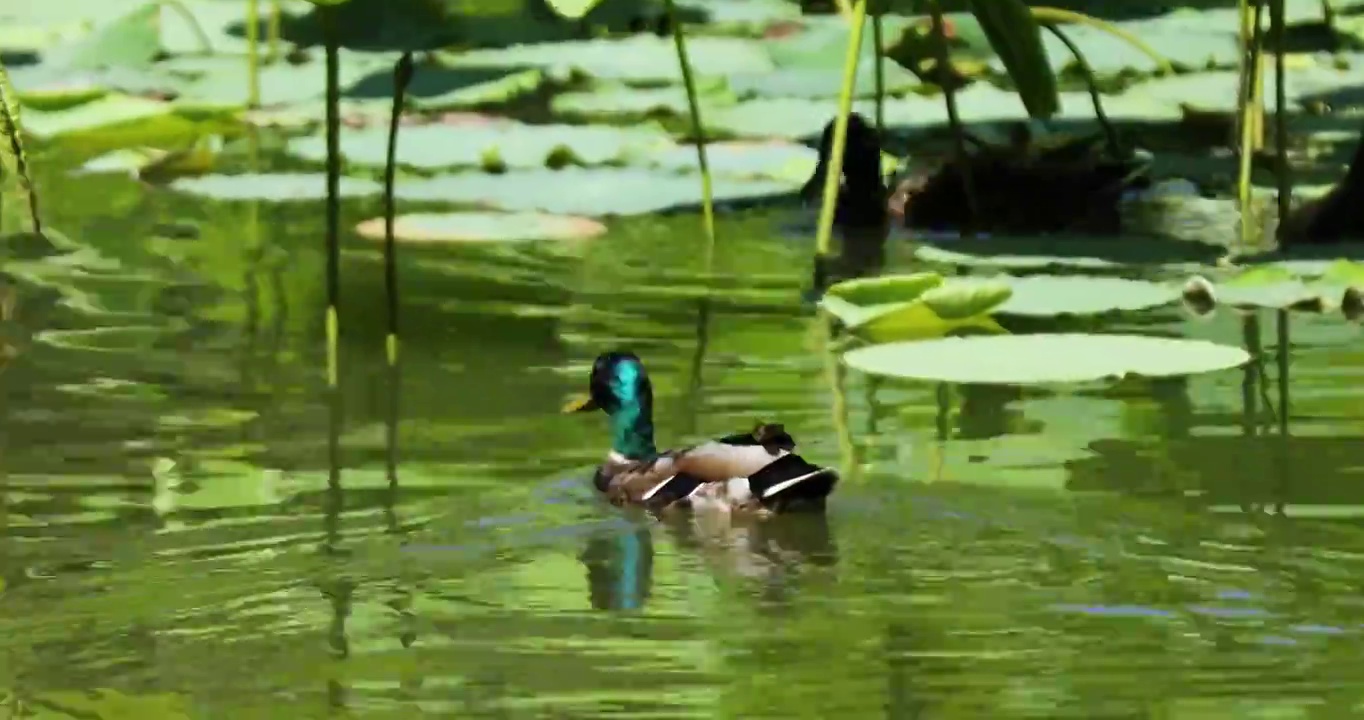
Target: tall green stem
{"x": 1282, "y": 174}
{"x": 698, "y": 133}
{"x": 877, "y": 38}
{"x": 825, "y": 231}
{"x": 944, "y": 62}
{"x": 272, "y": 31}
{"x": 1250, "y": 82}
{"x": 253, "y": 53}
{"x": 1091, "y": 84}
{"x": 402, "y": 77}
{"x": 333, "y": 194}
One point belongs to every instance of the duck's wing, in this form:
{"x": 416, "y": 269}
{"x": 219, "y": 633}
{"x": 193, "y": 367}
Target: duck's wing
{"x": 763, "y": 469}
{"x": 655, "y": 483}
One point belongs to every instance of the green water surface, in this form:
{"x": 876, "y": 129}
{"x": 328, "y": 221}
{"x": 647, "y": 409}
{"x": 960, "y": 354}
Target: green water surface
{"x": 173, "y": 542}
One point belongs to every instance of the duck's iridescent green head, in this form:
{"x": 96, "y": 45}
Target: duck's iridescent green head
{"x": 620, "y": 387}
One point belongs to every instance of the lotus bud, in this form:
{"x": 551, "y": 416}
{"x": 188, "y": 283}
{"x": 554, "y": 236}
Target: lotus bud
{"x": 1199, "y": 296}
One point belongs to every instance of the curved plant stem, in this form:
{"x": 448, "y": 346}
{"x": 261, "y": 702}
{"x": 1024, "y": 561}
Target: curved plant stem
{"x": 333, "y": 194}
{"x": 1282, "y": 169}
{"x": 205, "y": 45}
{"x": 944, "y": 63}
{"x": 699, "y": 133}
{"x": 402, "y": 77}
{"x": 1059, "y": 16}
{"x": 824, "y": 233}
{"x": 845, "y": 8}
{"x": 252, "y": 54}
{"x": 1091, "y": 84}
{"x": 1248, "y": 101}
{"x": 12, "y": 135}
{"x": 877, "y": 40}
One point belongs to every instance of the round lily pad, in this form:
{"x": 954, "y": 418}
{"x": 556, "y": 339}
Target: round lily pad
{"x": 514, "y": 144}
{"x": 1053, "y": 295}
{"x": 482, "y": 227}
{"x": 1043, "y": 358}
{"x": 272, "y": 186}
{"x": 586, "y": 191}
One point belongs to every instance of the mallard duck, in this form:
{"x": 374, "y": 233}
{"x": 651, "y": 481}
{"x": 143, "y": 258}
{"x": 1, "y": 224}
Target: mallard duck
{"x": 754, "y": 471}
{"x": 1332, "y": 217}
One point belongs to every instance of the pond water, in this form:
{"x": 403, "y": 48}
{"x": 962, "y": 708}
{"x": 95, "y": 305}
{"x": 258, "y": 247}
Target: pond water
{"x": 173, "y": 542}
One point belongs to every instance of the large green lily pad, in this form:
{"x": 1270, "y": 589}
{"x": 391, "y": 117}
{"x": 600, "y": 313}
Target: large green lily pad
{"x": 621, "y": 100}
{"x": 1045, "y": 358}
{"x": 104, "y": 112}
{"x": 1086, "y": 253}
{"x": 803, "y": 117}
{"x": 1055, "y": 295}
{"x": 585, "y": 191}
{"x": 475, "y": 227}
{"x": 277, "y": 187}
{"x": 640, "y": 58}
{"x": 499, "y": 142}
{"x": 773, "y": 159}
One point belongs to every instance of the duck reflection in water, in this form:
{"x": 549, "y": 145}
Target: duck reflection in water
{"x": 773, "y": 551}
{"x": 620, "y": 568}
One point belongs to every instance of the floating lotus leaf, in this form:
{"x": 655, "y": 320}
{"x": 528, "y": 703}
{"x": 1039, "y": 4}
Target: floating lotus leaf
{"x": 930, "y": 308}
{"x": 773, "y": 159}
{"x": 475, "y": 227}
{"x": 1053, "y": 295}
{"x": 104, "y": 112}
{"x": 585, "y": 191}
{"x": 1045, "y": 358}
{"x": 885, "y": 289}
{"x": 277, "y": 187}
{"x": 514, "y": 144}
{"x": 639, "y": 58}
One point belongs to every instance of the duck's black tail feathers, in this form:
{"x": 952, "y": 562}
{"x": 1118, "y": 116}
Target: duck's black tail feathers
{"x": 790, "y": 481}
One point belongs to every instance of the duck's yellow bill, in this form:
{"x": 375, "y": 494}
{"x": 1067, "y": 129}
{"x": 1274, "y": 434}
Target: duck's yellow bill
{"x": 578, "y": 403}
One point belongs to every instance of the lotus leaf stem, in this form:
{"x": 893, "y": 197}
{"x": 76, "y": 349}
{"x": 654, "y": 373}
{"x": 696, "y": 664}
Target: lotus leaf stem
{"x": 1282, "y": 173}
{"x": 698, "y": 133}
{"x": 944, "y": 63}
{"x": 1284, "y": 345}
{"x": 877, "y": 41}
{"x": 253, "y": 53}
{"x": 272, "y": 31}
{"x": 824, "y": 233}
{"x": 1059, "y": 16}
{"x": 1091, "y": 84}
{"x": 333, "y": 103}
{"x": 402, "y": 77}
{"x": 12, "y": 144}
{"x": 1247, "y": 125}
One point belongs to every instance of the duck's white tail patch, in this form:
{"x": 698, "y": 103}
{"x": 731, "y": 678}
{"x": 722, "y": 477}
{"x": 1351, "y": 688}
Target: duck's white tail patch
{"x": 777, "y": 488}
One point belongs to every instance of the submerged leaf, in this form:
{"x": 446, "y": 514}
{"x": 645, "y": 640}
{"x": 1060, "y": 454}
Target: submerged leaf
{"x": 1045, "y": 358}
